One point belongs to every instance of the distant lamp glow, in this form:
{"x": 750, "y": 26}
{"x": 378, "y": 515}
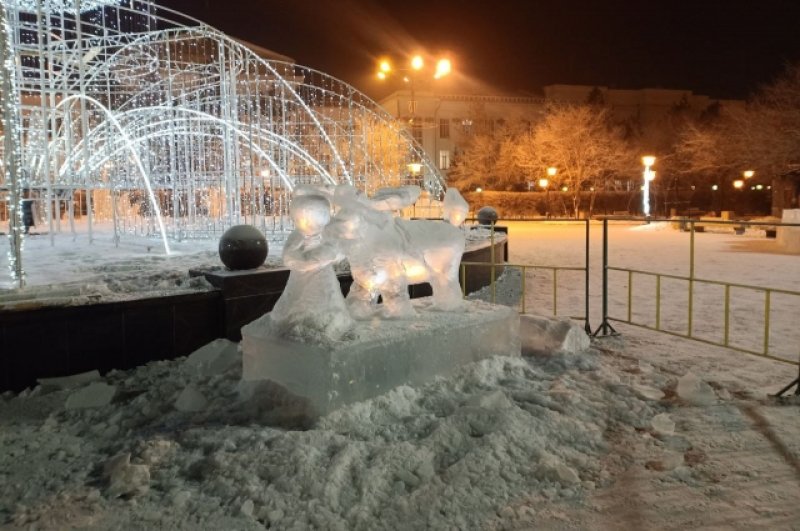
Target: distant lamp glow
{"x": 551, "y": 171}
{"x": 385, "y": 66}
{"x": 649, "y": 175}
{"x": 479, "y": 189}
{"x": 543, "y": 183}
{"x": 748, "y": 174}
{"x": 417, "y": 62}
{"x": 381, "y": 75}
{"x": 564, "y": 188}
{"x": 759, "y": 187}
{"x": 738, "y": 183}
{"x": 714, "y": 187}
{"x": 443, "y": 67}
{"x": 415, "y": 168}
{"x": 265, "y": 172}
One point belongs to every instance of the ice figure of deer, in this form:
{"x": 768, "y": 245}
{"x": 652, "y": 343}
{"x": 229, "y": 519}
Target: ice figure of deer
{"x": 387, "y": 253}
{"x": 312, "y": 307}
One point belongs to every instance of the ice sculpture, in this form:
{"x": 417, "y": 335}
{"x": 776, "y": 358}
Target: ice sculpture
{"x": 312, "y": 307}
{"x": 455, "y": 207}
{"x": 386, "y": 253}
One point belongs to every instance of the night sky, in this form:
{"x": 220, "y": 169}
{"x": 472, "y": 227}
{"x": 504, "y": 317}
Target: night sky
{"x": 724, "y": 49}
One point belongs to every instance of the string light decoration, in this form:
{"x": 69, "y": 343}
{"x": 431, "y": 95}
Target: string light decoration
{"x": 63, "y": 6}
{"x": 129, "y": 112}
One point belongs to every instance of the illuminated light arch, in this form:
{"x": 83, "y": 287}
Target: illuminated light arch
{"x": 164, "y": 100}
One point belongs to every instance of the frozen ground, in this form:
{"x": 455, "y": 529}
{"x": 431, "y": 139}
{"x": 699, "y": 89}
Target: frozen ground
{"x": 643, "y": 431}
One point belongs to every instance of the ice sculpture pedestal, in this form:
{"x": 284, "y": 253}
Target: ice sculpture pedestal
{"x": 386, "y": 353}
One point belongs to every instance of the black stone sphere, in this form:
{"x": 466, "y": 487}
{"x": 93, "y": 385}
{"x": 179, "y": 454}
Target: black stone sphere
{"x": 242, "y": 247}
{"x": 487, "y": 215}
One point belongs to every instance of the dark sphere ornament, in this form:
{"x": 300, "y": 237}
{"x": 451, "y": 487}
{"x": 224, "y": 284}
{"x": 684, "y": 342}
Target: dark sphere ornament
{"x": 487, "y": 215}
{"x": 243, "y": 247}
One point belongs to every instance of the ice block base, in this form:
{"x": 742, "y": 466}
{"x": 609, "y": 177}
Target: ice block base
{"x": 384, "y": 355}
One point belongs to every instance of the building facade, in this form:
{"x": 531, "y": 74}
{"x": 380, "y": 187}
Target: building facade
{"x": 440, "y": 121}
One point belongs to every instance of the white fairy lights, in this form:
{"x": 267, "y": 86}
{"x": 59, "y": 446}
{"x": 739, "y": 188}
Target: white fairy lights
{"x": 129, "y": 112}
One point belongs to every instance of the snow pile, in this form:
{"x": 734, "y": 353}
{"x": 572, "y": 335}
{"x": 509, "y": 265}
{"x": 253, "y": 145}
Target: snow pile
{"x": 194, "y": 446}
{"x": 507, "y": 289}
{"x": 544, "y": 335}
{"x": 695, "y": 391}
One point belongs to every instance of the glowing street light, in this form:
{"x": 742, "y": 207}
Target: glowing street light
{"x": 443, "y": 68}
{"x": 415, "y": 70}
{"x": 738, "y": 184}
{"x": 414, "y": 168}
{"x": 747, "y": 174}
{"x": 648, "y": 161}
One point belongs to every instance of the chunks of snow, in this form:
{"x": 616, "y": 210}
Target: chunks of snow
{"x": 213, "y": 358}
{"x": 695, "y": 391}
{"x": 247, "y": 508}
{"x": 97, "y": 394}
{"x": 190, "y": 400}
{"x": 125, "y": 479}
{"x": 663, "y": 423}
{"x": 648, "y": 392}
{"x": 553, "y": 469}
{"x": 71, "y": 381}
{"x": 548, "y": 335}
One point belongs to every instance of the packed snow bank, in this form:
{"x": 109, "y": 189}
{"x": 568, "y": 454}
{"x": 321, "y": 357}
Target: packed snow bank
{"x": 542, "y": 442}
{"x": 192, "y": 446}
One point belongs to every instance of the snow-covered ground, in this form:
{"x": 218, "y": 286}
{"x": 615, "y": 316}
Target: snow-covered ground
{"x": 643, "y": 431}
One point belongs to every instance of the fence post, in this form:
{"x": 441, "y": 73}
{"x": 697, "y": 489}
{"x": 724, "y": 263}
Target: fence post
{"x": 691, "y": 276}
{"x": 605, "y": 327}
{"x": 587, "y": 327}
{"x": 492, "y": 280}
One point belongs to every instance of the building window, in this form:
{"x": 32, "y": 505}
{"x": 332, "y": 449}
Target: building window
{"x": 444, "y": 128}
{"x": 416, "y": 132}
{"x": 444, "y": 159}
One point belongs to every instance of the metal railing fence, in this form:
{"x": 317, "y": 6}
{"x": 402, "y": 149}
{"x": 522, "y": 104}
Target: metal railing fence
{"x": 756, "y": 325}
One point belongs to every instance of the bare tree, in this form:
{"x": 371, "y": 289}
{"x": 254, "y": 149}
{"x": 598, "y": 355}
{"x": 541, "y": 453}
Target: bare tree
{"x": 487, "y": 158}
{"x": 581, "y": 143}
{"x": 762, "y": 136}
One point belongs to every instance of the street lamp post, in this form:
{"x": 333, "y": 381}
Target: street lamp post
{"x": 544, "y": 183}
{"x": 649, "y": 175}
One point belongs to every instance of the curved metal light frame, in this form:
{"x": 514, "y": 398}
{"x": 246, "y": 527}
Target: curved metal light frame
{"x": 108, "y": 95}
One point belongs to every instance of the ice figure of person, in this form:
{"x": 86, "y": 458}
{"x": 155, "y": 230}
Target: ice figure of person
{"x": 311, "y": 308}
{"x": 387, "y": 253}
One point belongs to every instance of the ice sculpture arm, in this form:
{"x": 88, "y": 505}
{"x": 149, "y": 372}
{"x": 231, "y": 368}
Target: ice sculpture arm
{"x": 302, "y": 253}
